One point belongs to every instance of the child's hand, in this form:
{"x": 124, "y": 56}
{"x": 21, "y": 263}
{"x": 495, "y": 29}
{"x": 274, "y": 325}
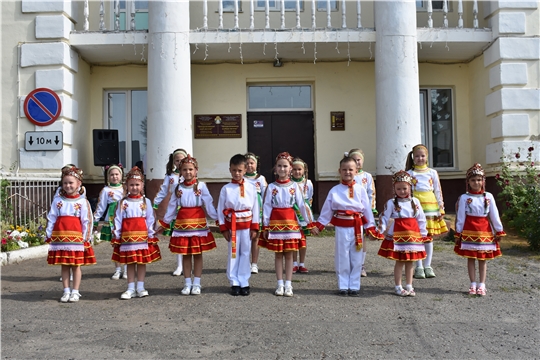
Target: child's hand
{"x": 253, "y": 234}
{"x": 315, "y": 231}
{"x": 159, "y": 229}
{"x": 227, "y": 235}
{"x": 265, "y": 234}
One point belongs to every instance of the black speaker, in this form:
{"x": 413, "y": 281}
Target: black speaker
{"x": 105, "y": 147}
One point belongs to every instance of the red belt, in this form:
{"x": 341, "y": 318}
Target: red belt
{"x": 233, "y": 212}
{"x": 358, "y": 222}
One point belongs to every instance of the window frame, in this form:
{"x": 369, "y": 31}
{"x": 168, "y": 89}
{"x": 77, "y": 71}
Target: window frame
{"x": 128, "y": 121}
{"x": 278, "y": 109}
{"x": 321, "y": 9}
{"x": 278, "y": 6}
{"x": 230, "y": 9}
{"x": 423, "y": 8}
{"x": 127, "y": 19}
{"x": 428, "y": 125}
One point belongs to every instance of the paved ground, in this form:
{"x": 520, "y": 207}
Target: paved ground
{"x": 441, "y": 322}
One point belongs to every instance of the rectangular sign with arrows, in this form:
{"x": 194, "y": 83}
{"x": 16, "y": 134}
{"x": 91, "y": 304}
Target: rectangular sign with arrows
{"x": 43, "y": 140}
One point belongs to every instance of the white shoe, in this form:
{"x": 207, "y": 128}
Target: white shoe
{"x": 128, "y": 294}
{"x": 116, "y": 275}
{"x": 74, "y": 297}
{"x": 288, "y": 291}
{"x": 280, "y": 290}
{"x": 196, "y": 290}
{"x": 186, "y": 290}
{"x": 254, "y": 269}
{"x": 178, "y": 271}
{"x": 65, "y": 297}
{"x": 60, "y": 278}
{"x": 142, "y": 293}
{"x": 124, "y": 275}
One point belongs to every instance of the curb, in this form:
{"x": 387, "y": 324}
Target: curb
{"x": 17, "y": 256}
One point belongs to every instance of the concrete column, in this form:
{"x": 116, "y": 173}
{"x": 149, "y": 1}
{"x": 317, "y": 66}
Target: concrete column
{"x": 397, "y": 90}
{"x": 169, "y": 87}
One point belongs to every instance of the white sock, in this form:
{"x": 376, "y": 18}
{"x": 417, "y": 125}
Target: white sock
{"x": 288, "y": 283}
{"x": 419, "y": 264}
{"x": 197, "y": 281}
{"x": 295, "y": 263}
{"x": 179, "y": 261}
{"x": 188, "y": 282}
{"x": 409, "y": 287}
{"x": 125, "y": 268}
{"x": 67, "y": 290}
{"x": 363, "y": 258}
{"x": 473, "y": 284}
{"x": 280, "y": 283}
{"x": 398, "y": 287}
{"x": 301, "y": 264}
{"x": 481, "y": 286}
{"x": 140, "y": 285}
{"x": 429, "y": 254}
{"x": 75, "y": 291}
{"x": 131, "y": 286}
{"x": 118, "y": 269}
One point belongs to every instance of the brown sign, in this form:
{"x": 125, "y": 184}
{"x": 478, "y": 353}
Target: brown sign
{"x": 337, "y": 120}
{"x": 218, "y": 126}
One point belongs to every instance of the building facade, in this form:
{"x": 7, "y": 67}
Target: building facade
{"x": 315, "y": 78}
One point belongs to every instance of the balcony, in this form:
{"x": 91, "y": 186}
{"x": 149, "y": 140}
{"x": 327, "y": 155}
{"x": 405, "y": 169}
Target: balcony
{"x": 304, "y": 31}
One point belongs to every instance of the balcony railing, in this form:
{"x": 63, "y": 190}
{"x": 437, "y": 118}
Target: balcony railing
{"x": 260, "y": 15}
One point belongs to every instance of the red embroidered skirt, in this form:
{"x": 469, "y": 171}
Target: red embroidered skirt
{"x": 67, "y": 246}
{"x": 135, "y": 246}
{"x": 407, "y": 244}
{"x": 477, "y": 240}
{"x": 284, "y": 232}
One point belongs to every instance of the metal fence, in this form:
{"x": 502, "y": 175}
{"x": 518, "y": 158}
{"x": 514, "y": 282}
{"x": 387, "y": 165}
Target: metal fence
{"x": 27, "y": 199}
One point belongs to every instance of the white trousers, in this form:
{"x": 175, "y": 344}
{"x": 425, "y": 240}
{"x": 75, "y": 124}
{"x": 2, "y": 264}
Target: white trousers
{"x": 239, "y": 269}
{"x": 348, "y": 260}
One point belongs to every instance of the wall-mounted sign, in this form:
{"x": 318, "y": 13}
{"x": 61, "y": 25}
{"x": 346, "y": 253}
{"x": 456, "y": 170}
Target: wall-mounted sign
{"x": 218, "y": 126}
{"x": 43, "y": 140}
{"x": 337, "y": 120}
{"x": 42, "y": 106}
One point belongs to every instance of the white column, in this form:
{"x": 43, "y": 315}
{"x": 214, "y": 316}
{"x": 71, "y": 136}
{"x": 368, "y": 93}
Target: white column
{"x": 169, "y": 84}
{"x": 396, "y": 86}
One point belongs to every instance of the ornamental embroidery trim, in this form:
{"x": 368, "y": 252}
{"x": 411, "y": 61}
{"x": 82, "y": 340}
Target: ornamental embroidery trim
{"x": 111, "y": 194}
{"x": 59, "y": 205}
{"x": 77, "y": 208}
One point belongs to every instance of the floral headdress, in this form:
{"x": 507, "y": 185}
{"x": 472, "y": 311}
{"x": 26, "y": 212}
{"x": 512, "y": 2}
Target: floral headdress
{"x": 135, "y": 173}
{"x": 285, "y": 155}
{"x": 402, "y": 176}
{"x": 189, "y": 160}
{"x": 476, "y": 170}
{"x": 72, "y": 171}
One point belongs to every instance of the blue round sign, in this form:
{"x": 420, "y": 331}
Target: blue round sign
{"x": 42, "y": 106}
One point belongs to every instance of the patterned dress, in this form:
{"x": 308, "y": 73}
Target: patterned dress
{"x": 477, "y": 224}
{"x": 366, "y": 180}
{"x": 406, "y": 234}
{"x": 168, "y": 186}
{"x": 134, "y": 238}
{"x": 261, "y": 185}
{"x": 187, "y": 218}
{"x": 69, "y": 227}
{"x": 108, "y": 200}
{"x": 307, "y": 192}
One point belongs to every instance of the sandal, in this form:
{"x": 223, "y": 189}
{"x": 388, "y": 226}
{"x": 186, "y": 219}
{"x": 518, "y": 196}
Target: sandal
{"x": 472, "y": 290}
{"x": 402, "y": 292}
{"x": 481, "y": 291}
{"x": 411, "y": 292}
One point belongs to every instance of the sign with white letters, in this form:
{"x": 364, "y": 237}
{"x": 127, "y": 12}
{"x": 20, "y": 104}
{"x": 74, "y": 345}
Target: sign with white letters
{"x": 43, "y": 140}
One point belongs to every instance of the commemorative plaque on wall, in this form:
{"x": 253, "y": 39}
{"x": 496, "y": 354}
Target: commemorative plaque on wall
{"x": 337, "y": 120}
{"x": 218, "y": 126}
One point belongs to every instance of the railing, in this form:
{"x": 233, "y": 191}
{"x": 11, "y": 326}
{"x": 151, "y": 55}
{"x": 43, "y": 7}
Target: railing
{"x": 27, "y": 199}
{"x": 234, "y": 9}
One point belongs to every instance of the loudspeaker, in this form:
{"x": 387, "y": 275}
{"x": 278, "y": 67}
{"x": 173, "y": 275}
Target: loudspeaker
{"x": 105, "y": 147}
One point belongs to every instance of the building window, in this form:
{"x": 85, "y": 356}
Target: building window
{"x": 435, "y": 5}
{"x": 279, "y": 97}
{"x": 275, "y": 5}
{"x": 228, "y": 5}
{"x": 437, "y": 115}
{"x": 126, "y": 111}
{"x": 321, "y": 5}
{"x": 141, "y": 14}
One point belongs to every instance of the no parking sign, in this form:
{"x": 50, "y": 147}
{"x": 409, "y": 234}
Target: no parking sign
{"x": 42, "y": 106}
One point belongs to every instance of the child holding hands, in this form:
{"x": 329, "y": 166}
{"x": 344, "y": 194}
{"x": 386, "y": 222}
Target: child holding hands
{"x": 134, "y": 240}
{"x": 478, "y": 228}
{"x": 238, "y": 215}
{"x": 186, "y": 213}
{"x": 69, "y": 228}
{"x": 282, "y": 233}
{"x": 347, "y": 207}
{"x": 406, "y": 234}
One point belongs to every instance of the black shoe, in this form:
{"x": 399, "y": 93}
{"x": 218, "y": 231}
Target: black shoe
{"x": 235, "y": 290}
{"x": 244, "y": 291}
{"x": 343, "y": 292}
{"x": 354, "y": 293}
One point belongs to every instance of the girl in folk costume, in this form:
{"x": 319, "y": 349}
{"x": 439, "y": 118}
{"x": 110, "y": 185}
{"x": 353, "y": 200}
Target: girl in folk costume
{"x": 406, "y": 235}
{"x": 69, "y": 229}
{"x": 366, "y": 180}
{"x": 172, "y": 179}
{"x": 300, "y": 176}
{"x": 253, "y": 176}
{"x": 347, "y": 207}
{"x": 107, "y": 202}
{"x": 282, "y": 233}
{"x": 426, "y": 188}
{"x": 134, "y": 240}
{"x": 478, "y": 228}
{"x": 186, "y": 216}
